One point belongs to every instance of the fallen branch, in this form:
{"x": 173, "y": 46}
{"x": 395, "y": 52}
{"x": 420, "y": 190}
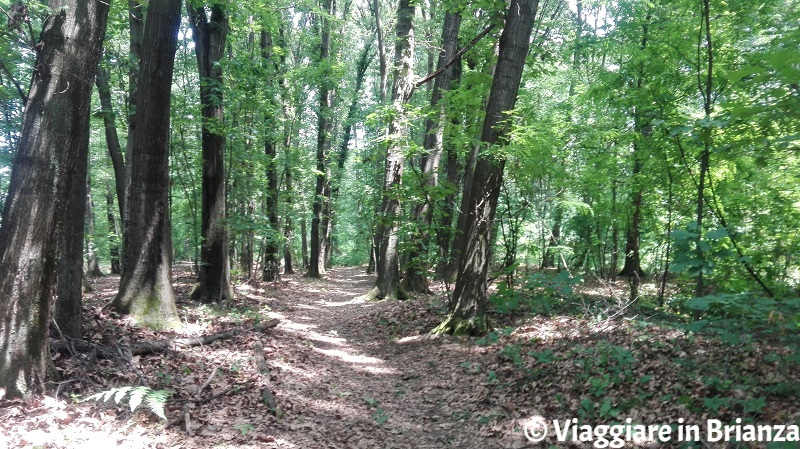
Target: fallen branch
{"x": 263, "y": 371}
{"x": 148, "y": 347}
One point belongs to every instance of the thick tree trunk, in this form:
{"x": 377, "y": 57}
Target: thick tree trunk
{"x": 146, "y": 287}
{"x": 468, "y": 307}
{"x": 416, "y": 279}
{"x": 388, "y": 270}
{"x": 69, "y": 282}
{"x": 136, "y": 19}
{"x": 316, "y": 267}
{"x": 209, "y": 35}
{"x": 54, "y": 137}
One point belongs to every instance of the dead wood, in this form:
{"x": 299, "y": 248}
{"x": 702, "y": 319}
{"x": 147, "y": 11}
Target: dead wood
{"x": 263, "y": 371}
{"x": 147, "y": 347}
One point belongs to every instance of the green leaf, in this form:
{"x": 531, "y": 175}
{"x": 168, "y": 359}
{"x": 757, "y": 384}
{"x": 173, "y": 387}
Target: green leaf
{"x": 716, "y": 234}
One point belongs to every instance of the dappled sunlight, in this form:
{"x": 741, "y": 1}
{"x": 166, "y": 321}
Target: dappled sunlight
{"x": 333, "y": 340}
{"x": 356, "y": 300}
{"x": 357, "y": 359}
{"x": 291, "y": 325}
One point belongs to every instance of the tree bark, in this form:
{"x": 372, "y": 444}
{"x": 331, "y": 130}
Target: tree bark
{"x": 53, "y": 138}
{"x": 146, "y": 287}
{"x": 388, "y": 270}
{"x": 209, "y": 35}
{"x": 69, "y": 280}
{"x": 468, "y": 307}
{"x": 136, "y": 20}
{"x": 416, "y": 279}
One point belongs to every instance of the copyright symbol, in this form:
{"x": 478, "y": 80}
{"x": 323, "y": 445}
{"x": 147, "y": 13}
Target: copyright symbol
{"x": 535, "y": 429}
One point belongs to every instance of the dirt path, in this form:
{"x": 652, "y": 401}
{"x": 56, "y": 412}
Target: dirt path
{"x": 345, "y": 374}
{"x": 356, "y": 374}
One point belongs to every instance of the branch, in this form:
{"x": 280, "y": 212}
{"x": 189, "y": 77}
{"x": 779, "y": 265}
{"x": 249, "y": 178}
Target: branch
{"x": 22, "y": 95}
{"x": 457, "y": 56}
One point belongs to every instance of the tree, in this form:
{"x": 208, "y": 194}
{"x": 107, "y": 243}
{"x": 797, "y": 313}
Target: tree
{"x": 319, "y": 232}
{"x": 146, "y": 286}
{"x": 54, "y": 137}
{"x": 209, "y": 35}
{"x": 468, "y": 306}
{"x": 272, "y": 261}
{"x": 117, "y": 160}
{"x": 388, "y": 283}
{"x": 415, "y": 278}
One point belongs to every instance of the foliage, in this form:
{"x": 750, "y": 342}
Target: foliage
{"x": 155, "y": 400}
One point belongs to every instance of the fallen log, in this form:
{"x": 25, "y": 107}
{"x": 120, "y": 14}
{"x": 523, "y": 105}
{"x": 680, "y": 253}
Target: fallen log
{"x": 148, "y": 347}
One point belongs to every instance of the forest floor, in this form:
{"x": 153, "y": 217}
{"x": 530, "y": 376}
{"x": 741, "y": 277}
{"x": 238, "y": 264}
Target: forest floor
{"x": 346, "y": 373}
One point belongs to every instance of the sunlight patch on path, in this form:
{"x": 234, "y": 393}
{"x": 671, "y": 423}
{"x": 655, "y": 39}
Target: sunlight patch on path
{"x": 356, "y": 300}
{"x": 357, "y": 359}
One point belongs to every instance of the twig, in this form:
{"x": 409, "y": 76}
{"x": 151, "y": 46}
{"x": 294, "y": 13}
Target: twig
{"x": 187, "y": 420}
{"x": 208, "y": 381}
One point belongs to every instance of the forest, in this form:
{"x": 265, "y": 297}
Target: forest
{"x": 399, "y": 223}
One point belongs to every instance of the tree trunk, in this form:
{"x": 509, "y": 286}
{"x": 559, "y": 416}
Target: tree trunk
{"x": 416, "y": 279}
{"x": 54, "y": 137}
{"x": 468, "y": 307}
{"x": 707, "y": 91}
{"x": 136, "y": 19}
{"x": 113, "y": 233}
{"x": 112, "y": 138}
{"x": 146, "y": 286}
{"x": 272, "y": 247}
{"x": 388, "y": 270}
{"x": 382, "y": 60}
{"x": 92, "y": 265}
{"x": 316, "y": 267}
{"x": 633, "y": 267}
{"x": 288, "y": 226}
{"x": 304, "y": 242}
{"x": 209, "y": 35}
{"x": 69, "y": 281}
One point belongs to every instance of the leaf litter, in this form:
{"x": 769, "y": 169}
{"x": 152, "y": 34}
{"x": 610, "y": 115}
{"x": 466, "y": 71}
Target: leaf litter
{"x": 344, "y": 373}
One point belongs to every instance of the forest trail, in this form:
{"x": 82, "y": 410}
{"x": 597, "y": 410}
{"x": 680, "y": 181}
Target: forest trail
{"x": 361, "y": 374}
{"x": 346, "y": 373}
